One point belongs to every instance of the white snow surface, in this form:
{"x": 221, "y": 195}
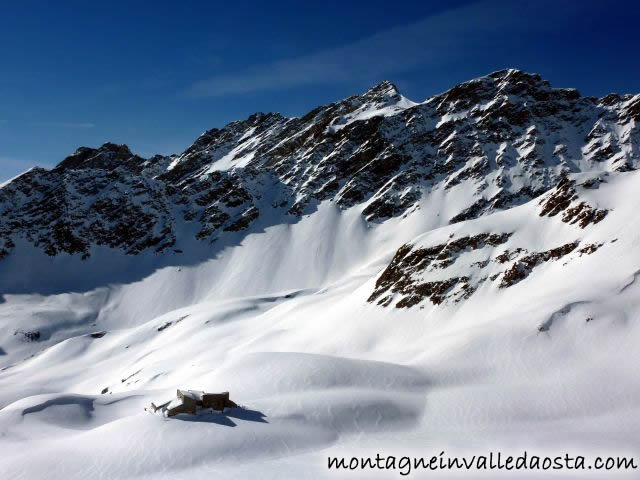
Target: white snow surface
{"x": 283, "y": 323}
{"x": 369, "y": 110}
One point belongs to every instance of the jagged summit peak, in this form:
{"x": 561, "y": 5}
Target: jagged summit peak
{"x": 384, "y": 91}
{"x": 384, "y": 87}
{"x": 258, "y": 116}
{"x": 252, "y": 120}
{"x": 507, "y": 83}
{"x": 106, "y": 147}
{"x": 109, "y": 154}
{"x": 256, "y": 123}
{"x": 513, "y": 77}
{"x": 506, "y": 78}
{"x": 515, "y": 74}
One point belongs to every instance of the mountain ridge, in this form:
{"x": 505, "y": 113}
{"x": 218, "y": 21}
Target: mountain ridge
{"x": 508, "y": 135}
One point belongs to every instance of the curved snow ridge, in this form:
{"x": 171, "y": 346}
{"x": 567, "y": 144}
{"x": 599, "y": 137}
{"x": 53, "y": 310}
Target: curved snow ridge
{"x": 67, "y": 411}
{"x": 348, "y": 411}
{"x": 269, "y": 373}
{"x": 149, "y": 446}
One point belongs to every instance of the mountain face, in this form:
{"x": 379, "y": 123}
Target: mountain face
{"x": 495, "y": 142}
{"x": 418, "y": 273}
{"x": 376, "y": 277}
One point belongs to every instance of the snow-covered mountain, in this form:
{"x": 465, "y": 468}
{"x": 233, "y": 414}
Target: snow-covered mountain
{"x": 376, "y": 274}
{"x": 491, "y": 143}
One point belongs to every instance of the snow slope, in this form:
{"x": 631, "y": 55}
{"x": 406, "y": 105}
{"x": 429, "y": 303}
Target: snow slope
{"x": 516, "y": 330}
{"x": 320, "y": 369}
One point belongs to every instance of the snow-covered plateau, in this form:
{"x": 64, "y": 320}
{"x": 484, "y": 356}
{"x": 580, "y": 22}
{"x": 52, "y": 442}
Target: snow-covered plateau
{"x": 377, "y": 276}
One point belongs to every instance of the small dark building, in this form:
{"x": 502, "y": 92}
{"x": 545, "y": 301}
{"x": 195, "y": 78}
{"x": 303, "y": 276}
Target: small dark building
{"x": 189, "y": 401}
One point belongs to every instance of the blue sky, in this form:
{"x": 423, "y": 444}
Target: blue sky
{"x": 155, "y": 75}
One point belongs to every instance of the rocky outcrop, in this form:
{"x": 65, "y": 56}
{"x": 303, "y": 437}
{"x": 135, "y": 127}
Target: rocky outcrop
{"x": 421, "y": 273}
{"x": 565, "y": 199}
{"x": 409, "y": 264}
{"x": 521, "y": 269}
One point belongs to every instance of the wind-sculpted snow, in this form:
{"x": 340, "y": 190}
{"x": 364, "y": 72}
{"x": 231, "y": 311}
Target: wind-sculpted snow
{"x": 504, "y": 138}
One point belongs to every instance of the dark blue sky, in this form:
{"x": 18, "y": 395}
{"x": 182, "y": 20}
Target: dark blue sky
{"x": 155, "y": 75}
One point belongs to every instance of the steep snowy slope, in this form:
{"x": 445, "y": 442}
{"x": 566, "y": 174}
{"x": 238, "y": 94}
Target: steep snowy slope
{"x": 446, "y": 322}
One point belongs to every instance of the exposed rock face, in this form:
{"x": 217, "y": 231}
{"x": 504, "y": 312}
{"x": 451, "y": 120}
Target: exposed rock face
{"x": 506, "y": 138}
{"x": 107, "y": 157}
{"x": 520, "y": 269}
{"x": 412, "y": 276}
{"x": 28, "y": 335}
{"x": 401, "y": 276}
{"x": 564, "y": 199}
{"x": 452, "y": 271}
